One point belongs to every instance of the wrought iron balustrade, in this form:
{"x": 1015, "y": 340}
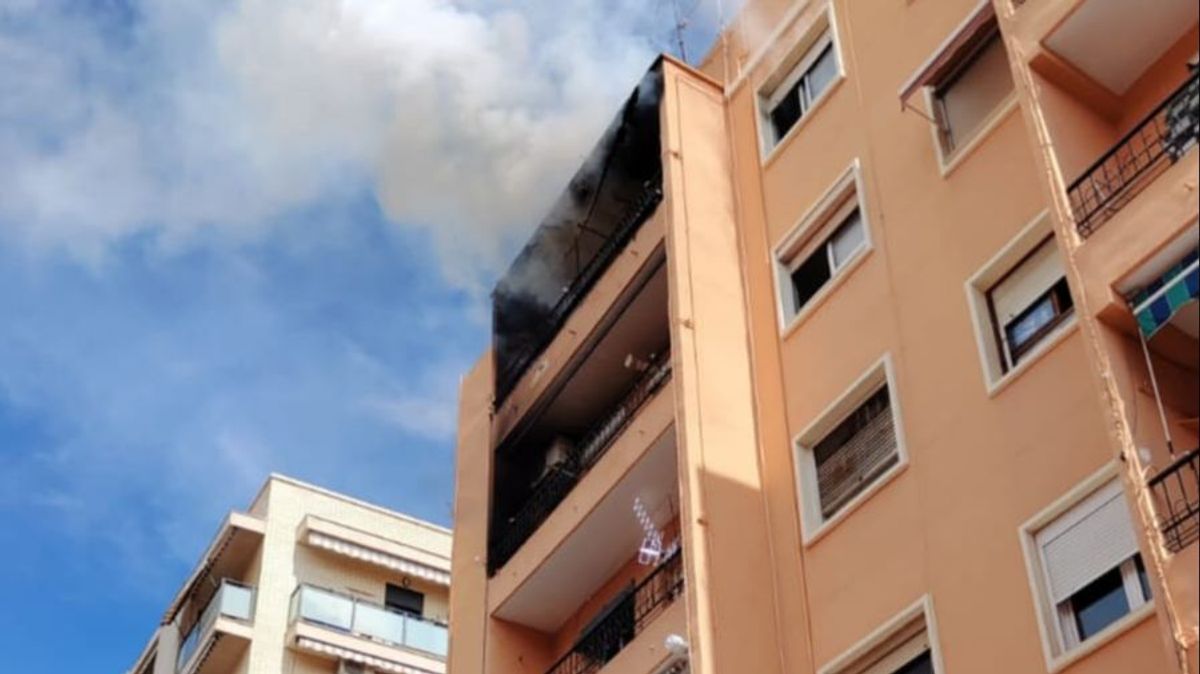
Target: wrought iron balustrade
{"x": 1176, "y": 491}
{"x": 553, "y": 487}
{"x": 617, "y": 627}
{"x": 1157, "y": 142}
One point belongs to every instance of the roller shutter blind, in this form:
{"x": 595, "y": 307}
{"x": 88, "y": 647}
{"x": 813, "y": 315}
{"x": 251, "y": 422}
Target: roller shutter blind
{"x": 1089, "y": 540}
{"x": 855, "y": 452}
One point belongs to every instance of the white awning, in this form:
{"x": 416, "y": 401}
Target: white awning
{"x": 356, "y": 551}
{"x": 361, "y": 658}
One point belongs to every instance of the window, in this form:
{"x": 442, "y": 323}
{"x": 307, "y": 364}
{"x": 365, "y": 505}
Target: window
{"x": 828, "y": 259}
{"x": 904, "y": 646}
{"x": 822, "y": 246}
{"x": 1020, "y": 304}
{"x": 849, "y": 449}
{"x": 855, "y": 452}
{"x": 1088, "y": 569}
{"x": 404, "y": 600}
{"x": 786, "y": 102}
{"x": 1028, "y": 303}
{"x": 965, "y": 97}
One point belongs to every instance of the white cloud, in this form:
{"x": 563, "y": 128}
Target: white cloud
{"x": 190, "y": 121}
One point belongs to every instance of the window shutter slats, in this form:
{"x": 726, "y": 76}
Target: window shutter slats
{"x": 1093, "y": 538}
{"x": 870, "y": 450}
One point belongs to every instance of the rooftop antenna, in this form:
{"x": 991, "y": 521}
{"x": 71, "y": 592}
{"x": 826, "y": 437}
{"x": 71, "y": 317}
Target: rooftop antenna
{"x": 680, "y": 26}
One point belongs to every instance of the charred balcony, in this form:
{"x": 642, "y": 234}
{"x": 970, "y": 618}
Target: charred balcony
{"x": 611, "y": 381}
{"x": 617, "y": 189}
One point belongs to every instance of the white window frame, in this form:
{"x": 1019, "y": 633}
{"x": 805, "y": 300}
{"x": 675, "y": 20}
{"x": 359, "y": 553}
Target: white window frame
{"x": 813, "y": 524}
{"x": 792, "y": 68}
{"x": 882, "y": 641}
{"x": 1060, "y": 641}
{"x": 814, "y": 229}
{"x": 995, "y": 376}
{"x": 949, "y": 160}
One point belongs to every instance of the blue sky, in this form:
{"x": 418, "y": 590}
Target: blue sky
{"x": 254, "y": 236}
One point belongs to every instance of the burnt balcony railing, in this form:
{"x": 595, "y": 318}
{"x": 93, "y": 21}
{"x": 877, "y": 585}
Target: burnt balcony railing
{"x": 558, "y": 481}
{"x": 1177, "y": 499}
{"x": 541, "y": 332}
{"x": 1156, "y": 143}
{"x": 623, "y": 620}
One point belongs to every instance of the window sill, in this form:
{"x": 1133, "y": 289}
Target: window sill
{"x": 772, "y": 154}
{"x": 948, "y": 163}
{"x": 810, "y": 539}
{"x": 793, "y": 324}
{"x": 1050, "y": 343}
{"x": 1055, "y": 664}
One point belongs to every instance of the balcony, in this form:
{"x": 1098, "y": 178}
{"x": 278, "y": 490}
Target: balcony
{"x": 560, "y": 478}
{"x": 543, "y": 460}
{"x": 335, "y": 625}
{"x": 620, "y": 623}
{"x": 1152, "y": 146}
{"x": 1176, "y": 491}
{"x": 229, "y": 613}
{"x": 618, "y": 188}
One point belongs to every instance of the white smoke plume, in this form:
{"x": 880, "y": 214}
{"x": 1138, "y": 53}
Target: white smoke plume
{"x": 185, "y": 121}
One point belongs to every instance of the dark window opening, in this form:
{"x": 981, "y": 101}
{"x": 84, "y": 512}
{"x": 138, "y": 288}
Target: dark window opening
{"x": 405, "y": 600}
{"x": 810, "y": 277}
{"x": 785, "y": 115}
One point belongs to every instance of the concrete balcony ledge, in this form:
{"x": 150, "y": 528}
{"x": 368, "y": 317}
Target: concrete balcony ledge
{"x": 583, "y": 325}
{"x": 560, "y": 565}
{"x": 1148, "y": 226}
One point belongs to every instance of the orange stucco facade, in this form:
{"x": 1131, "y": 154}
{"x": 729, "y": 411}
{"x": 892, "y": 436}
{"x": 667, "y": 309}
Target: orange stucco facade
{"x": 946, "y": 539}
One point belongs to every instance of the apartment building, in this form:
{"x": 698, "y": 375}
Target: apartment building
{"x": 306, "y": 581}
{"x": 870, "y": 346}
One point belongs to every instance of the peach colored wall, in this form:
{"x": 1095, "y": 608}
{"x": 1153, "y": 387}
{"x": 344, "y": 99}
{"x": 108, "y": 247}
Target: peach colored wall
{"x": 1065, "y": 134}
{"x": 472, "y": 486}
{"x": 979, "y": 465}
{"x": 725, "y": 536}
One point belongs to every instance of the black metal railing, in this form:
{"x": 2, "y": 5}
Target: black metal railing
{"x": 1156, "y": 143}
{"x": 558, "y": 481}
{"x": 621, "y": 622}
{"x": 1176, "y": 491}
{"x": 640, "y": 210}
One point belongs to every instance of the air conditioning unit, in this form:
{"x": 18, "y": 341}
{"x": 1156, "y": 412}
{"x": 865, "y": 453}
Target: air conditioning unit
{"x": 347, "y": 667}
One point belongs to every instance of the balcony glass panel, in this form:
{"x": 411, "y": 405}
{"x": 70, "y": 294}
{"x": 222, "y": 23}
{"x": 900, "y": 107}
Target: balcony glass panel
{"x": 230, "y": 601}
{"x": 369, "y": 620}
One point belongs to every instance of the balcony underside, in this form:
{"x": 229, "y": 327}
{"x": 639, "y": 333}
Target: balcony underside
{"x": 223, "y": 648}
{"x": 594, "y": 532}
{"x": 1084, "y": 38}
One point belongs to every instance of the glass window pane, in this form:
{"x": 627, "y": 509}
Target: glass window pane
{"x": 1143, "y": 579}
{"x": 848, "y": 239}
{"x": 1028, "y": 325}
{"x": 1101, "y": 603}
{"x": 822, "y": 73}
